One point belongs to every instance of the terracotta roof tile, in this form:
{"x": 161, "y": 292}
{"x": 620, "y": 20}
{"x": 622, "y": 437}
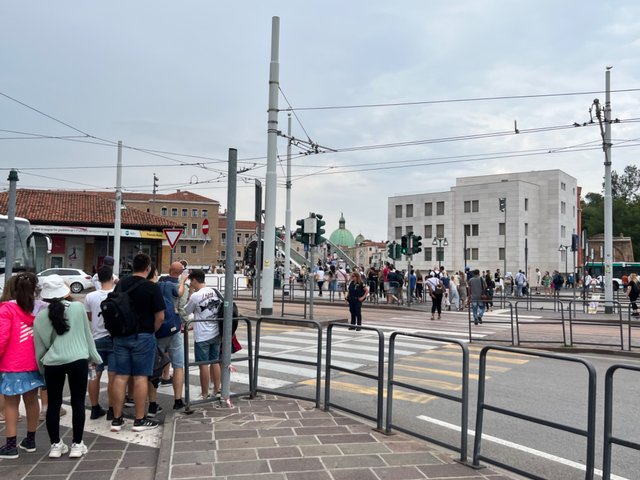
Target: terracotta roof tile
{"x": 77, "y": 208}
{"x": 240, "y": 224}
{"x": 179, "y": 196}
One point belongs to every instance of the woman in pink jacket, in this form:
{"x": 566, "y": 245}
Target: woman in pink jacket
{"x": 19, "y": 373}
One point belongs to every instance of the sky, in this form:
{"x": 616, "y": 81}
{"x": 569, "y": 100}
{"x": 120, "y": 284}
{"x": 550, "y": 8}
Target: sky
{"x": 401, "y": 97}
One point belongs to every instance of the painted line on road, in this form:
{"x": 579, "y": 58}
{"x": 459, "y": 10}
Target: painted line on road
{"x": 517, "y": 446}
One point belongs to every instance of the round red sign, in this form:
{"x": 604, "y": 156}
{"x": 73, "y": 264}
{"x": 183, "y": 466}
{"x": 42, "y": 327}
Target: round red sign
{"x": 205, "y": 226}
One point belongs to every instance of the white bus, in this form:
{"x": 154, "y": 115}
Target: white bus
{"x": 30, "y": 248}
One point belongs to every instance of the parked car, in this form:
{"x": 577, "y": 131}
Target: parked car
{"x": 78, "y": 280}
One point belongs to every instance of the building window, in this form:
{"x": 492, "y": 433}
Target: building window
{"x": 223, "y": 240}
{"x": 194, "y": 229}
{"x": 184, "y": 229}
{"x": 427, "y": 254}
{"x": 194, "y": 212}
{"x": 428, "y": 231}
{"x": 398, "y": 211}
{"x": 563, "y": 186}
{"x": 440, "y": 230}
{"x": 194, "y": 249}
{"x": 223, "y": 254}
{"x": 409, "y": 229}
{"x": 474, "y": 254}
{"x": 467, "y": 254}
{"x": 467, "y": 206}
{"x": 428, "y": 209}
{"x": 183, "y": 249}
{"x": 185, "y": 212}
{"x": 526, "y": 229}
{"x": 238, "y": 238}
{"x": 471, "y": 230}
{"x": 526, "y": 204}
{"x": 563, "y": 231}
{"x": 164, "y": 211}
{"x": 501, "y": 228}
{"x": 501, "y": 253}
{"x": 563, "y": 207}
{"x": 174, "y": 212}
{"x": 398, "y": 232}
{"x": 574, "y": 211}
{"x": 409, "y": 210}
{"x": 246, "y": 238}
{"x": 440, "y": 208}
{"x": 238, "y": 254}
{"x": 475, "y": 205}
{"x": 205, "y": 213}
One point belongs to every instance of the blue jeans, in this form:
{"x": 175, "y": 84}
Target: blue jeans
{"x": 104, "y": 346}
{"x": 135, "y": 354}
{"x": 477, "y": 307}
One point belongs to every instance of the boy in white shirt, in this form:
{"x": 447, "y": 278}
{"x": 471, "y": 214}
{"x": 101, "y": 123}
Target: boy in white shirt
{"x": 204, "y": 304}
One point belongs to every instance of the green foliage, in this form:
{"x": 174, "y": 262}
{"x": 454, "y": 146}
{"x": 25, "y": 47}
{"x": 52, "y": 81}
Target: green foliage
{"x": 627, "y": 185}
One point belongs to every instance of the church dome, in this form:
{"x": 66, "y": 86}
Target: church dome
{"x": 359, "y": 239}
{"x": 342, "y": 237}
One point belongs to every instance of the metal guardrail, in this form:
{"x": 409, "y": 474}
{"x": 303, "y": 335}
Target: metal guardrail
{"x": 248, "y": 358}
{"x": 609, "y": 439}
{"x": 288, "y": 296}
{"x": 613, "y": 304}
{"x": 463, "y": 399}
{"x": 555, "y": 302}
{"x": 317, "y": 364}
{"x": 507, "y": 304}
{"x": 589, "y": 433}
{"x": 632, "y": 325}
{"x": 379, "y": 378}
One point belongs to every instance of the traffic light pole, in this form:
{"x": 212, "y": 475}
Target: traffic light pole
{"x": 311, "y": 277}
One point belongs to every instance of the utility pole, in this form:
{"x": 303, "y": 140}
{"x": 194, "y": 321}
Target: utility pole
{"x": 258, "y": 265}
{"x": 287, "y": 218}
{"x": 118, "y": 213}
{"x": 268, "y": 267}
{"x": 11, "y": 226}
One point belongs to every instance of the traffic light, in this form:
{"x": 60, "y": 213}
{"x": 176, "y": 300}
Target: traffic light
{"x": 398, "y": 254}
{"x": 299, "y": 233}
{"x": 319, "y": 230}
{"x": 574, "y": 242}
{"x": 502, "y": 203}
{"x": 416, "y": 244}
{"x": 391, "y": 250}
{"x": 404, "y": 245}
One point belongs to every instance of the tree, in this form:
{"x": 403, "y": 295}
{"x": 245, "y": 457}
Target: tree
{"x": 627, "y": 185}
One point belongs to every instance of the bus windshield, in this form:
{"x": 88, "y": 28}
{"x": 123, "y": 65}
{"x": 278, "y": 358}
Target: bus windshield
{"x": 23, "y": 254}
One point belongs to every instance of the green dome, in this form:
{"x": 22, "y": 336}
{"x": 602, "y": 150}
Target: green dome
{"x": 342, "y": 237}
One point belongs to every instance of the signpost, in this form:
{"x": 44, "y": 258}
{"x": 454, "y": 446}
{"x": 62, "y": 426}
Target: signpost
{"x": 172, "y": 235}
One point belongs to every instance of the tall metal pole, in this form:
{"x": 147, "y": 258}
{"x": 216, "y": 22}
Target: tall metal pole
{"x": 258, "y": 267}
{"x": 268, "y": 267}
{"x": 505, "y": 238}
{"x": 311, "y": 277}
{"x": 228, "y": 273}
{"x": 287, "y": 218}
{"x": 118, "y": 213}
{"x": 9, "y": 257}
{"x": 608, "y": 204}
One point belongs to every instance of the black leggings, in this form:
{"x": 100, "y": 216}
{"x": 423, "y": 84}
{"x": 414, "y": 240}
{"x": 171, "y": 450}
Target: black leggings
{"x": 436, "y": 303}
{"x": 55, "y": 376}
{"x": 356, "y": 313}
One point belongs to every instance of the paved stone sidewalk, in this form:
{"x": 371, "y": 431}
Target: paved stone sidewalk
{"x": 284, "y": 439}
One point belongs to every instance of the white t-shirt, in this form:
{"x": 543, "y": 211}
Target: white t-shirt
{"x": 92, "y": 306}
{"x": 204, "y": 304}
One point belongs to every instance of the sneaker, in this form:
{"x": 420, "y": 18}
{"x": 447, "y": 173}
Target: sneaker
{"x": 204, "y": 397}
{"x": 28, "y": 445}
{"x": 77, "y": 450}
{"x": 8, "y": 453}
{"x": 166, "y": 381}
{"x": 116, "y": 424}
{"x": 128, "y": 402}
{"x": 58, "y": 449}
{"x": 110, "y": 414}
{"x": 144, "y": 424}
{"x": 178, "y": 404}
{"x": 154, "y": 409}
{"x": 97, "y": 411}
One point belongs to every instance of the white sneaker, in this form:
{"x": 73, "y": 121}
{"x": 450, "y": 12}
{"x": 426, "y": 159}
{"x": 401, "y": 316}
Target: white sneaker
{"x": 77, "y": 450}
{"x": 58, "y": 449}
{"x": 204, "y": 397}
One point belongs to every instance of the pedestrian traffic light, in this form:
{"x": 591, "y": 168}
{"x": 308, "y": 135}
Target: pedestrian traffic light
{"x": 398, "y": 254}
{"x": 391, "y": 250}
{"x": 416, "y": 244}
{"x": 574, "y": 242}
{"x": 502, "y": 203}
{"x": 299, "y": 233}
{"x": 404, "y": 245}
{"x": 319, "y": 230}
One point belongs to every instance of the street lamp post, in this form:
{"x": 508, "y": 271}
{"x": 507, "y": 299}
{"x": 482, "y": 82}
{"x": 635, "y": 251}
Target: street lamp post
{"x": 441, "y": 242}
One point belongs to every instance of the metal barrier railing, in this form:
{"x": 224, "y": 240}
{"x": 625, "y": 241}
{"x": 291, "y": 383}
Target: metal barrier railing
{"x": 609, "y": 439}
{"x": 248, "y": 358}
{"x": 379, "y": 377}
{"x": 632, "y": 325}
{"x": 589, "y": 433}
{"x": 614, "y": 305}
{"x": 471, "y": 321}
{"x": 289, "y": 297}
{"x": 550, "y": 321}
{"x": 317, "y": 363}
{"x": 463, "y": 399}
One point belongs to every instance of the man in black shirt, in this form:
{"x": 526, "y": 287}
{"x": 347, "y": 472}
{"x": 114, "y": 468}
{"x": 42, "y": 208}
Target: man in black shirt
{"x": 135, "y": 354}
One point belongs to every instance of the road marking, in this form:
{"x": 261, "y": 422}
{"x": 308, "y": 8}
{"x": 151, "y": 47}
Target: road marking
{"x": 423, "y": 382}
{"x": 517, "y": 446}
{"x": 373, "y": 391}
{"x": 447, "y": 363}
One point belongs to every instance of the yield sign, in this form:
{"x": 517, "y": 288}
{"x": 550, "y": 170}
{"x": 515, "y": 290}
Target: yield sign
{"x": 172, "y": 235}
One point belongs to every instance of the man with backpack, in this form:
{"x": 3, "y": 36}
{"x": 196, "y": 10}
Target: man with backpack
{"x": 133, "y": 312}
{"x": 169, "y": 335}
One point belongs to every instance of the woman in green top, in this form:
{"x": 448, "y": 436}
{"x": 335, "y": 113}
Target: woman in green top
{"x": 64, "y": 346}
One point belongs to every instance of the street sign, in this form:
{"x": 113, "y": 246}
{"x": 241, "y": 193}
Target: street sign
{"x": 172, "y": 235}
{"x": 205, "y": 226}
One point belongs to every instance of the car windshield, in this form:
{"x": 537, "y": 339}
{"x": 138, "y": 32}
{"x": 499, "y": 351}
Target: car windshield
{"x": 23, "y": 256}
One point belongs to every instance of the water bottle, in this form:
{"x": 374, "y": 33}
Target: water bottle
{"x": 92, "y": 372}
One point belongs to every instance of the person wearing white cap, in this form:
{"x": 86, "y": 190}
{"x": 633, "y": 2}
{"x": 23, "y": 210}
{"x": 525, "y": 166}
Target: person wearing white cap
{"x": 64, "y": 348}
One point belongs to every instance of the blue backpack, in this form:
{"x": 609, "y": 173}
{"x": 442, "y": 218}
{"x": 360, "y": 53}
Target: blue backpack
{"x": 172, "y": 323}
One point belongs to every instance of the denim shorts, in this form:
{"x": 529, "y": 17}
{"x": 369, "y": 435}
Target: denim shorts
{"x": 104, "y": 346}
{"x": 208, "y": 350}
{"x": 174, "y": 346}
{"x": 135, "y": 354}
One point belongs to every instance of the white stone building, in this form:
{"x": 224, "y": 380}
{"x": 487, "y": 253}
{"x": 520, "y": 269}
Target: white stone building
{"x": 541, "y": 215}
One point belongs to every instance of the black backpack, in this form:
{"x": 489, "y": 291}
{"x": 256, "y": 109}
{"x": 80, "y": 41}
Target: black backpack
{"x": 120, "y": 316}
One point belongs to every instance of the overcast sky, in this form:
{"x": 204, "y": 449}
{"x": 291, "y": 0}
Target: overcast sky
{"x": 191, "y": 78}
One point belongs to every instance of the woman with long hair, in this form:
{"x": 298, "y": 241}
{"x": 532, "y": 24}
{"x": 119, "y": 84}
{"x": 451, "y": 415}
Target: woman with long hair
{"x": 19, "y": 375}
{"x": 356, "y": 294}
{"x": 64, "y": 348}
{"x": 633, "y": 290}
